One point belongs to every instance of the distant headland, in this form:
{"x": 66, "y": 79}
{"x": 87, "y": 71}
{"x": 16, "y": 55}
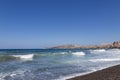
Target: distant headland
{"x": 115, "y": 44}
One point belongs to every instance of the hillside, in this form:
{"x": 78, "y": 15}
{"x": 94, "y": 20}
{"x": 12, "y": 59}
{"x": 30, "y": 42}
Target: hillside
{"x": 112, "y": 45}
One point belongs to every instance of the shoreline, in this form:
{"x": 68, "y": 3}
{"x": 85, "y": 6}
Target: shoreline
{"x": 111, "y": 73}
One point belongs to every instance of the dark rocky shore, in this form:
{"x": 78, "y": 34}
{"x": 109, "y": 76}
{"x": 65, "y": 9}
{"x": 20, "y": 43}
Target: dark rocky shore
{"x": 111, "y": 73}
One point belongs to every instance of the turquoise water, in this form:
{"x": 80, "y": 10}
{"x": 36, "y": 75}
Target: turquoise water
{"x": 50, "y": 64}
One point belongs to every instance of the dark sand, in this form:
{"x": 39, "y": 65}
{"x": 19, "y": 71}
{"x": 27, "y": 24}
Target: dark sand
{"x": 111, "y": 73}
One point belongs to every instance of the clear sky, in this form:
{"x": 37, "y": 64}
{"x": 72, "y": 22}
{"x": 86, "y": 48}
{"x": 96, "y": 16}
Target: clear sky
{"x": 44, "y": 23}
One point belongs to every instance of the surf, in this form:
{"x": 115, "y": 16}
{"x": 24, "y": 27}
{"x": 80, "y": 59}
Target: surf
{"x": 24, "y": 57}
{"x": 16, "y": 57}
{"x": 78, "y": 53}
{"x": 105, "y": 60}
{"x": 97, "y": 51}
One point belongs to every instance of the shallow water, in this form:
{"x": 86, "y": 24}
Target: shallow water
{"x": 49, "y": 64}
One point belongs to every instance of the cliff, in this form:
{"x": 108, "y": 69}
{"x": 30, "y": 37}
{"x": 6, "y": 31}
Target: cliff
{"x": 112, "y": 45}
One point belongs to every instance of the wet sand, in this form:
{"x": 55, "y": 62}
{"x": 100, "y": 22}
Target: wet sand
{"x": 111, "y": 73}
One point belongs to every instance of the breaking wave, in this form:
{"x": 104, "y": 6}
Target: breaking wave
{"x": 24, "y": 57}
{"x": 115, "y": 51}
{"x": 105, "y": 60}
{"x": 97, "y": 51}
{"x": 110, "y": 51}
{"x": 16, "y": 57}
{"x": 78, "y": 53}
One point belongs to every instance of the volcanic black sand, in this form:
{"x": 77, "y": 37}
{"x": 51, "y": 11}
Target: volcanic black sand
{"x": 111, "y": 73}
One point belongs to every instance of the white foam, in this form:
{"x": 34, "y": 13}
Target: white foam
{"x": 12, "y": 75}
{"x": 63, "y": 53}
{"x": 109, "y": 51}
{"x": 25, "y": 57}
{"x": 97, "y": 51}
{"x": 3, "y": 75}
{"x": 115, "y": 51}
{"x": 78, "y": 53}
{"x": 100, "y": 50}
{"x": 104, "y": 60}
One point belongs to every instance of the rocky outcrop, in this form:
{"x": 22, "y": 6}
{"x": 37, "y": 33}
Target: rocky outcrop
{"x": 116, "y": 44}
{"x": 112, "y": 45}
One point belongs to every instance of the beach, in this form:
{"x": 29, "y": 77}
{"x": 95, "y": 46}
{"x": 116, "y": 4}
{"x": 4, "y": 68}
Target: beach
{"x": 111, "y": 73}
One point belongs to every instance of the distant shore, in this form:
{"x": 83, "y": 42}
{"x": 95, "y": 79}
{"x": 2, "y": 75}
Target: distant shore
{"x": 115, "y": 44}
{"x": 111, "y": 73}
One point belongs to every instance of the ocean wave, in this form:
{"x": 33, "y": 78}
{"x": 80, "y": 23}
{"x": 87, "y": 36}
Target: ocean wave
{"x": 105, "y": 60}
{"x": 97, "y": 51}
{"x": 7, "y": 58}
{"x": 50, "y": 54}
{"x": 24, "y": 57}
{"x": 63, "y": 53}
{"x": 59, "y": 53}
{"x": 110, "y": 51}
{"x": 16, "y": 57}
{"x": 115, "y": 51}
{"x": 79, "y": 53}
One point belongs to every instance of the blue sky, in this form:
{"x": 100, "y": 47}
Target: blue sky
{"x": 45, "y": 23}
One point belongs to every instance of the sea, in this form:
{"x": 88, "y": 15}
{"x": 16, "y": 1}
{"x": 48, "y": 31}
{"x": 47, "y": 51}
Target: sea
{"x": 54, "y": 64}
